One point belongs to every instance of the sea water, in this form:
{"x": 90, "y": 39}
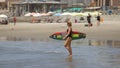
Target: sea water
{"x": 52, "y": 54}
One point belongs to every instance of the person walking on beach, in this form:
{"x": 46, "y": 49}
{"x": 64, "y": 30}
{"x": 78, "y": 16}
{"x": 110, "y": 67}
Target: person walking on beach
{"x": 98, "y": 20}
{"x": 14, "y": 19}
{"x": 68, "y": 38}
{"x": 89, "y": 20}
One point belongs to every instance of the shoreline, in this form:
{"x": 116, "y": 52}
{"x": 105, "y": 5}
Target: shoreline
{"x": 106, "y": 31}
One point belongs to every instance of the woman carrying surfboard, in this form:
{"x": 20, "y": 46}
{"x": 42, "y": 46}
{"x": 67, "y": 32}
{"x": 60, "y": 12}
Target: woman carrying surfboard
{"x": 68, "y": 38}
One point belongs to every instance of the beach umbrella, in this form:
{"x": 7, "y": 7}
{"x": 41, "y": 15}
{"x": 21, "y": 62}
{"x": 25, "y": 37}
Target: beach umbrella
{"x": 3, "y": 16}
{"x": 45, "y": 14}
{"x": 37, "y": 15}
{"x": 50, "y": 12}
{"x": 86, "y": 13}
{"x": 80, "y": 14}
{"x": 57, "y": 14}
{"x": 96, "y": 13}
{"x": 75, "y": 14}
{"x": 65, "y": 14}
{"x": 28, "y": 14}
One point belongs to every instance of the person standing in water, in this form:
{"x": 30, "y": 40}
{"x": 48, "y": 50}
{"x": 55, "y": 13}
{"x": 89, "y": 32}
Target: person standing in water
{"x": 68, "y": 38}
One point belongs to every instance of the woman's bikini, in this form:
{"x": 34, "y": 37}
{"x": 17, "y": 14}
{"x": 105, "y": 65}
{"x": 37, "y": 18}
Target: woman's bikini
{"x": 70, "y": 34}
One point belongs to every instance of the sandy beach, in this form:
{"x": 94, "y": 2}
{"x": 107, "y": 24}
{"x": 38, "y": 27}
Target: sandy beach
{"x": 108, "y": 30}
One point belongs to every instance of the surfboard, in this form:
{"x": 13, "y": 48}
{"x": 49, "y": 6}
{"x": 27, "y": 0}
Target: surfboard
{"x": 75, "y": 35}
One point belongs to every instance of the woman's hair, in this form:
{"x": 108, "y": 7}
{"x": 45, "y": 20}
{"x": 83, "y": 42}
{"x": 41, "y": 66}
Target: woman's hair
{"x": 69, "y": 23}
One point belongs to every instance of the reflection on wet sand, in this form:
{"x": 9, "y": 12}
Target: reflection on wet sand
{"x": 69, "y": 59}
{"x": 22, "y": 39}
{"x": 112, "y": 43}
{"x": 70, "y": 62}
{"x": 28, "y": 54}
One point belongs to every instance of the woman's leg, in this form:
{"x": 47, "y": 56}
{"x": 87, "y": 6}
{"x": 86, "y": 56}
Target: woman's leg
{"x": 66, "y": 43}
{"x": 68, "y": 46}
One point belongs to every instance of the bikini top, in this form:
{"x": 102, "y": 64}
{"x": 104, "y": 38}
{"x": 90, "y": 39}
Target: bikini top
{"x": 70, "y": 34}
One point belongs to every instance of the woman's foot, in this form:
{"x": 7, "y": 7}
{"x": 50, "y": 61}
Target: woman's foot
{"x": 70, "y": 55}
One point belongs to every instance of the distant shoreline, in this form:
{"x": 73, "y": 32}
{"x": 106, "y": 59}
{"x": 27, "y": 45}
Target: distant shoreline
{"x": 60, "y": 19}
{"x": 108, "y": 30}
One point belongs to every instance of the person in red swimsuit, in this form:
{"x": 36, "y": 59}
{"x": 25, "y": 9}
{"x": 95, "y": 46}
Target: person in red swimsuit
{"x": 68, "y": 38}
{"x": 14, "y": 19}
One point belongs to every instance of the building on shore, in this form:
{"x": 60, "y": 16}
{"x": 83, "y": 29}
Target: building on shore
{"x": 6, "y": 5}
{"x": 107, "y": 4}
{"x": 10, "y": 2}
{"x": 78, "y": 3}
{"x": 20, "y": 8}
{"x": 23, "y": 6}
{"x": 3, "y": 5}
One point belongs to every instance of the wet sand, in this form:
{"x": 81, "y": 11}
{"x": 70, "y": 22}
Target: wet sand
{"x": 27, "y": 54}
